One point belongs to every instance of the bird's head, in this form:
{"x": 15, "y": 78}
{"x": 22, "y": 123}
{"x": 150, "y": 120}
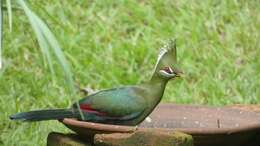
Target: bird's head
{"x": 166, "y": 66}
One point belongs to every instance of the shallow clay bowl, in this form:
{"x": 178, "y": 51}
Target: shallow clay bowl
{"x": 207, "y": 125}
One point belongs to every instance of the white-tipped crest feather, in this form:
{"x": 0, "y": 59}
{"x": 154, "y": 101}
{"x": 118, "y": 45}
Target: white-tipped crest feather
{"x": 162, "y": 52}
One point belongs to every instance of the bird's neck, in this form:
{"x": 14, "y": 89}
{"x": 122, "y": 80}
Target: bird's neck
{"x": 156, "y": 88}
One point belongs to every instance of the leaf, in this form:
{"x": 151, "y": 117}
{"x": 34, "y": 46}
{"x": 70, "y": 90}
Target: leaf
{"x": 47, "y": 42}
{"x": 9, "y": 11}
{"x": 1, "y": 33}
{"x": 44, "y": 46}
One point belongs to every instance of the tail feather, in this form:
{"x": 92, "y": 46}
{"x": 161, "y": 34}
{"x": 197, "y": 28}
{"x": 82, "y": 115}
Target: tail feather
{"x": 40, "y": 115}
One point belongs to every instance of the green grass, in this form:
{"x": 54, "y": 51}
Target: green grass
{"x": 111, "y": 44}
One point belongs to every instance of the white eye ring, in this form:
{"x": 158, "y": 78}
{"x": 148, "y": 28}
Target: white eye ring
{"x": 171, "y": 70}
{"x": 166, "y": 74}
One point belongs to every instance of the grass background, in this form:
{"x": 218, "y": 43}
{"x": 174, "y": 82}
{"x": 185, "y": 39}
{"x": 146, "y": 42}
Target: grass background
{"x": 110, "y": 44}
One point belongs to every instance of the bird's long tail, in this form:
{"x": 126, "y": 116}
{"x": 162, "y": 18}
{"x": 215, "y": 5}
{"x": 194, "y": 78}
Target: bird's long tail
{"x": 40, "y": 115}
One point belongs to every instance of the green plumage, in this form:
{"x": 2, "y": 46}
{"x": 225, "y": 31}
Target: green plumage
{"x": 127, "y": 105}
{"x": 44, "y": 115}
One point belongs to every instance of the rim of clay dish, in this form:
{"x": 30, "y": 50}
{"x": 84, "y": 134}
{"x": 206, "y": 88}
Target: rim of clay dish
{"x": 107, "y": 128}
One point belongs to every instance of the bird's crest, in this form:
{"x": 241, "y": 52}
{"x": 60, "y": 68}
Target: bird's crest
{"x": 169, "y": 47}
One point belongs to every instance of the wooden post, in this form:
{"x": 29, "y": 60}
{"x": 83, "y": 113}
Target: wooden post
{"x": 138, "y": 138}
{"x": 59, "y": 139}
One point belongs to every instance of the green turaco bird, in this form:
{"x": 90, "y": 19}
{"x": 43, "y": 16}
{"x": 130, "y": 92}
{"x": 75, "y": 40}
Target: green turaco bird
{"x": 128, "y": 105}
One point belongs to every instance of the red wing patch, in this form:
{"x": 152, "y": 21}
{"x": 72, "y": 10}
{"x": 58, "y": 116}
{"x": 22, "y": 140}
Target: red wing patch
{"x": 89, "y": 109}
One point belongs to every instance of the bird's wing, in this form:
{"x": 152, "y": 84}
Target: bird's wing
{"x": 122, "y": 103}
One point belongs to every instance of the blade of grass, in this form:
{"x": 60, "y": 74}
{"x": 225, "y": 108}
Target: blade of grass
{"x": 1, "y": 32}
{"x": 9, "y": 11}
{"x": 47, "y": 40}
{"x": 44, "y": 47}
{"x": 52, "y": 41}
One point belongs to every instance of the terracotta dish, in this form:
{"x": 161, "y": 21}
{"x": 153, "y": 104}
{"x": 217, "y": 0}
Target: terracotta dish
{"x": 207, "y": 125}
